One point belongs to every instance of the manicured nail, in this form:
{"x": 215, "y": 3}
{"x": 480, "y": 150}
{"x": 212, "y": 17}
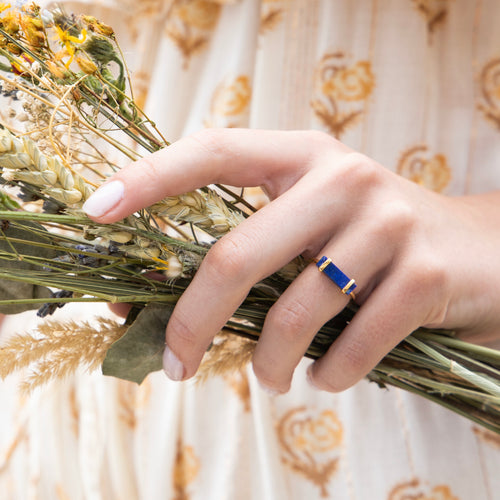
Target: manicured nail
{"x": 104, "y": 199}
{"x": 268, "y": 390}
{"x": 172, "y": 366}
{"x": 310, "y": 379}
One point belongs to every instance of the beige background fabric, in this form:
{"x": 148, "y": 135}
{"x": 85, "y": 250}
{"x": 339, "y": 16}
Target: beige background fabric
{"x": 414, "y": 84}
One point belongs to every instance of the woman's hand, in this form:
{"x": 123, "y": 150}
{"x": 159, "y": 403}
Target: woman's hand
{"x": 418, "y": 258}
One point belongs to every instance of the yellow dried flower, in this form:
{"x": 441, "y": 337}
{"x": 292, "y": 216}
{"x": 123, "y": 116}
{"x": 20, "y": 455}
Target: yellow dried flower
{"x": 14, "y": 49}
{"x": 56, "y": 69}
{"x": 68, "y": 41}
{"x": 86, "y": 65}
{"x": 10, "y": 23}
{"x": 4, "y": 6}
{"x": 94, "y": 24}
{"x": 33, "y": 30}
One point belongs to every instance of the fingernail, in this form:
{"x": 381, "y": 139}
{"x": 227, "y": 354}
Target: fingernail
{"x": 172, "y": 366}
{"x": 310, "y": 378}
{"x": 104, "y": 199}
{"x": 268, "y": 390}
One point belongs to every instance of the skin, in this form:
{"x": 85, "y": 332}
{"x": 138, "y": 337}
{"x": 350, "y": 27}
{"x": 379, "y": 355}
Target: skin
{"x": 419, "y": 258}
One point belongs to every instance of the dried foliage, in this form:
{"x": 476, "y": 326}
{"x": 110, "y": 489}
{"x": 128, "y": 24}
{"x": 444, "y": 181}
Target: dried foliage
{"x": 228, "y": 354}
{"x": 55, "y": 350}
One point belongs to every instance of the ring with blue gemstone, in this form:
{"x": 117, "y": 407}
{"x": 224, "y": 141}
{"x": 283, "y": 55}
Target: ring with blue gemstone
{"x": 327, "y": 267}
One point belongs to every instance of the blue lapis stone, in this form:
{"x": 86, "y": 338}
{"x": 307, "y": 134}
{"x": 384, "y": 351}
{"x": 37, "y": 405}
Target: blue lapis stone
{"x": 336, "y": 275}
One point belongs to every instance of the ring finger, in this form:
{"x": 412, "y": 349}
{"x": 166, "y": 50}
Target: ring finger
{"x": 310, "y": 301}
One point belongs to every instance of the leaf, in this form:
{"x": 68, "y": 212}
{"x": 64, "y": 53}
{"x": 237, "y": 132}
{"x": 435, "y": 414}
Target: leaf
{"x": 12, "y": 290}
{"x": 140, "y": 350}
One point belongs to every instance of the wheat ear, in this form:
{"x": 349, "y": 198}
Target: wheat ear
{"x": 205, "y": 210}
{"x": 21, "y": 160}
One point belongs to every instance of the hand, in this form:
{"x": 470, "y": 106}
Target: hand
{"x": 419, "y": 258}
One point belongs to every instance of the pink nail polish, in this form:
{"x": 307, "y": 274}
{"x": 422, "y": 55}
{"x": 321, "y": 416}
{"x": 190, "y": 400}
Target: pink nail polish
{"x": 268, "y": 390}
{"x": 172, "y": 366}
{"x": 104, "y": 199}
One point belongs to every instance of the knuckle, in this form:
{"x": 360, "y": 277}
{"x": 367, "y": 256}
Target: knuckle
{"x": 211, "y": 140}
{"x": 229, "y": 258}
{"x": 292, "y": 319}
{"x": 353, "y": 364}
{"x": 425, "y": 276}
{"x": 426, "y": 288}
{"x": 356, "y": 173}
{"x": 319, "y": 141}
{"x": 150, "y": 170}
{"x": 396, "y": 218}
{"x": 181, "y": 333}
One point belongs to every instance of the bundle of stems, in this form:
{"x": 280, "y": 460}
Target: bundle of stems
{"x": 70, "y": 122}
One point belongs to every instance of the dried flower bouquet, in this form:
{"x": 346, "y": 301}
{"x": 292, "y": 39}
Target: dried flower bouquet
{"x": 68, "y": 121}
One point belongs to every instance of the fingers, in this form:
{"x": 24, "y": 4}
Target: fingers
{"x": 404, "y": 301}
{"x": 120, "y": 309}
{"x": 255, "y": 249}
{"x": 239, "y": 157}
{"x": 312, "y": 300}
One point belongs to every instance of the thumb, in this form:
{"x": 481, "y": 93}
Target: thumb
{"x": 238, "y": 157}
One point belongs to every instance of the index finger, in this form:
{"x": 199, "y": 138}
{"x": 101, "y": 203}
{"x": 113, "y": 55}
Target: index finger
{"x": 239, "y": 157}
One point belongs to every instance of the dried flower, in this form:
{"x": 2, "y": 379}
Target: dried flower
{"x": 86, "y": 65}
{"x": 94, "y": 24}
{"x": 33, "y": 30}
{"x": 68, "y": 41}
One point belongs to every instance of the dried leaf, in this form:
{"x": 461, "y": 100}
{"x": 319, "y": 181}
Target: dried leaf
{"x": 140, "y": 351}
{"x": 12, "y": 290}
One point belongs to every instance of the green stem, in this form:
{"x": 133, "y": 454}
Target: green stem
{"x": 460, "y": 371}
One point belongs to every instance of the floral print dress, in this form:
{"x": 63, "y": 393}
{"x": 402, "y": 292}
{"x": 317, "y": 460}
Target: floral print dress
{"x": 415, "y": 84}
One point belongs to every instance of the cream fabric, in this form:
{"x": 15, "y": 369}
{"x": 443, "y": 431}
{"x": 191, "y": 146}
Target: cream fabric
{"x": 411, "y": 83}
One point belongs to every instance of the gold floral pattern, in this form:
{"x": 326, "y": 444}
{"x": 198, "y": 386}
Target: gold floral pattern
{"x": 487, "y": 437}
{"x": 185, "y": 471}
{"x": 434, "y": 12}
{"x": 200, "y": 14}
{"x": 415, "y": 490}
{"x": 238, "y": 381}
{"x": 127, "y": 403}
{"x": 342, "y": 88}
{"x": 230, "y": 103}
{"x": 190, "y": 23}
{"x": 272, "y": 12}
{"x": 432, "y": 172}
{"x": 310, "y": 443}
{"x": 140, "y": 11}
{"x": 489, "y": 88}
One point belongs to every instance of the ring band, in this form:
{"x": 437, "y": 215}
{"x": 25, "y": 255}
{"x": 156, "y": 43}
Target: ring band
{"x": 326, "y": 266}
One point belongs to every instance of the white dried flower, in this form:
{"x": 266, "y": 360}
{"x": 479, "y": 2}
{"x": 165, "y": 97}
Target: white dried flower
{"x": 7, "y": 86}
